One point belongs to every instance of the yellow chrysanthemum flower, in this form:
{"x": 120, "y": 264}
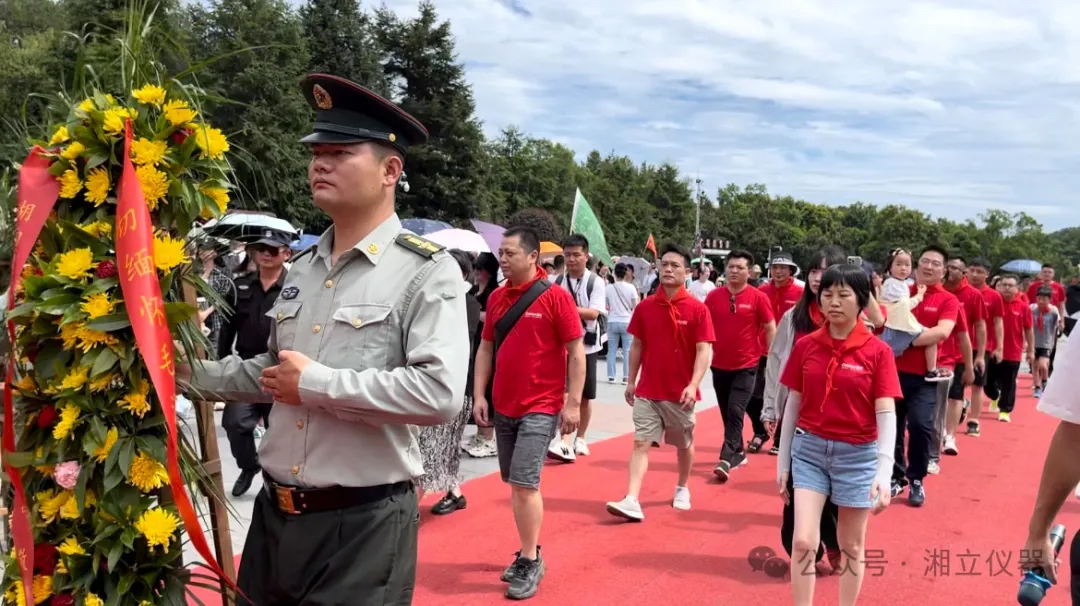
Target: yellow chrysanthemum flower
{"x": 14, "y": 594}
{"x": 154, "y": 183}
{"x": 60, "y": 136}
{"x": 219, "y": 195}
{"x": 102, "y": 383}
{"x": 73, "y": 151}
{"x": 42, "y": 587}
{"x": 136, "y": 401}
{"x": 102, "y": 452}
{"x": 97, "y": 305}
{"x": 70, "y": 509}
{"x": 75, "y": 378}
{"x": 92, "y": 599}
{"x": 86, "y": 105}
{"x": 148, "y": 151}
{"x": 26, "y": 383}
{"x": 70, "y": 546}
{"x": 69, "y": 417}
{"x": 147, "y": 474}
{"x": 211, "y": 141}
{"x": 169, "y": 252}
{"x": 70, "y": 185}
{"x": 97, "y": 186}
{"x": 151, "y": 94}
{"x": 113, "y": 122}
{"x": 158, "y": 526}
{"x": 69, "y": 334}
{"x": 90, "y": 338}
{"x": 98, "y": 229}
{"x": 178, "y": 112}
{"x": 49, "y": 503}
{"x": 75, "y": 264}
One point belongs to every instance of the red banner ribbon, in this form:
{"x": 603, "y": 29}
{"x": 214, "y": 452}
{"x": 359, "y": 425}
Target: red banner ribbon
{"x": 146, "y": 310}
{"x": 38, "y": 191}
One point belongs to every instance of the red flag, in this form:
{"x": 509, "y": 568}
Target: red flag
{"x": 651, "y": 245}
{"x": 146, "y": 310}
{"x": 38, "y": 191}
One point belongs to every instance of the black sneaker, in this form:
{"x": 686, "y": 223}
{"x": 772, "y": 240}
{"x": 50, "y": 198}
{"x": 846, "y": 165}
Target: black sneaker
{"x": 917, "y": 494}
{"x": 510, "y": 571}
{"x": 774, "y": 451}
{"x": 722, "y": 471}
{"x": 973, "y": 429}
{"x": 449, "y": 504}
{"x": 525, "y": 575}
{"x": 895, "y": 489}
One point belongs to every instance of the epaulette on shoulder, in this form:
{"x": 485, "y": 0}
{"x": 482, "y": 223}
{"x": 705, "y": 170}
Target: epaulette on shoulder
{"x": 420, "y": 246}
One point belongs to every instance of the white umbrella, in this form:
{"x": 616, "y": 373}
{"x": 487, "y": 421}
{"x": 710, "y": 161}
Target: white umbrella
{"x": 243, "y": 225}
{"x": 463, "y": 239}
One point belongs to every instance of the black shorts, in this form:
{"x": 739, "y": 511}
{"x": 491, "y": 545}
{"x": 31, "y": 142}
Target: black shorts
{"x": 956, "y": 387}
{"x": 588, "y": 391}
{"x": 1042, "y": 352}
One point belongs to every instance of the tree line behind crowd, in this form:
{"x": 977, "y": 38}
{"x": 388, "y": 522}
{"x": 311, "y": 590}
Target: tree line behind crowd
{"x": 250, "y": 55}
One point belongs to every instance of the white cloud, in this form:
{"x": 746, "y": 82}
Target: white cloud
{"x": 950, "y": 107}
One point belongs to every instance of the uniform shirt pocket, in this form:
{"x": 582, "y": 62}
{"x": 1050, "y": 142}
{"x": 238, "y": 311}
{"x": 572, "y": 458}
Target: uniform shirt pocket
{"x": 361, "y": 336}
{"x": 284, "y": 314}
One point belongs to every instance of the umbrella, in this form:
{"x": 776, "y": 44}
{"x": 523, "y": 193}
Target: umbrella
{"x": 304, "y": 242}
{"x": 466, "y": 240}
{"x": 698, "y": 260}
{"x": 1022, "y": 266}
{"x": 247, "y": 227}
{"x": 550, "y": 248}
{"x": 641, "y": 270}
{"x": 491, "y": 233}
{"x": 423, "y": 227}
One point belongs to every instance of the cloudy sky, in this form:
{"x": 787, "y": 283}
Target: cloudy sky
{"x": 951, "y": 108}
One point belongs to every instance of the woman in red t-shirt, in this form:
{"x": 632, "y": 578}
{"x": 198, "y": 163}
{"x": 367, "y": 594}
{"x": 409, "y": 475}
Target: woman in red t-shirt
{"x": 839, "y": 429}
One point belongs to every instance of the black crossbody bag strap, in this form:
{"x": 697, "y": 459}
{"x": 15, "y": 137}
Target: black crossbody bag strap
{"x": 507, "y": 322}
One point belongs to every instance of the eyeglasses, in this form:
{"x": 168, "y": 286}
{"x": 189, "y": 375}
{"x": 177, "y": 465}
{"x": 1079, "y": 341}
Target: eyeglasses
{"x": 273, "y": 251}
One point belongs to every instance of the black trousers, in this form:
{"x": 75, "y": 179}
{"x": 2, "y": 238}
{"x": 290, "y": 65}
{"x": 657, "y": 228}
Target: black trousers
{"x": 1001, "y": 383}
{"x": 733, "y": 390}
{"x": 829, "y": 516}
{"x": 917, "y": 409}
{"x": 357, "y": 556}
{"x": 239, "y": 421}
{"x": 757, "y": 402}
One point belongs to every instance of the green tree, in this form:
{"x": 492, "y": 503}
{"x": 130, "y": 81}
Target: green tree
{"x": 430, "y": 84}
{"x": 341, "y": 42}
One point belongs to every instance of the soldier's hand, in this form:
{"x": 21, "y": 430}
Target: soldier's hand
{"x": 283, "y": 380}
{"x": 480, "y": 412}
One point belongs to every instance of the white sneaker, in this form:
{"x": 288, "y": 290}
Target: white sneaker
{"x": 480, "y": 448}
{"x": 950, "y": 446}
{"x": 628, "y": 508}
{"x": 611, "y": 380}
{"x": 560, "y": 452}
{"x": 681, "y": 501}
{"x": 933, "y": 468}
{"x": 581, "y": 448}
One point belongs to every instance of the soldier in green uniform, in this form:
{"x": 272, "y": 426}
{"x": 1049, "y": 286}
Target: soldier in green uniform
{"x": 369, "y": 340}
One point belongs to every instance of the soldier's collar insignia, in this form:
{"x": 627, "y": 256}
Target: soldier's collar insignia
{"x": 322, "y": 98}
{"x": 290, "y": 293}
{"x": 373, "y": 248}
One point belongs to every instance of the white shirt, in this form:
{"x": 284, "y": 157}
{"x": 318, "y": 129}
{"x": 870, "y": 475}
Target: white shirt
{"x": 622, "y": 297}
{"x": 1061, "y": 399}
{"x": 700, "y": 289}
{"x": 579, "y": 290}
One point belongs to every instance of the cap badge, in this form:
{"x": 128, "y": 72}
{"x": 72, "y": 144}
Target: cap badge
{"x": 392, "y": 137}
{"x": 373, "y": 248}
{"x": 322, "y": 98}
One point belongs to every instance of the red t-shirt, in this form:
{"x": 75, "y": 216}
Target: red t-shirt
{"x": 737, "y": 345}
{"x": 781, "y": 299}
{"x": 1017, "y": 321}
{"x": 974, "y": 308}
{"x": 1057, "y": 298}
{"x": 938, "y": 304}
{"x": 949, "y": 354}
{"x": 847, "y": 412}
{"x": 667, "y": 356}
{"x": 995, "y": 308}
{"x": 531, "y": 365}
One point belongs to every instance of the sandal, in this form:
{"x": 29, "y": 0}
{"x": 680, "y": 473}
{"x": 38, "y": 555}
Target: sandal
{"x": 755, "y": 444}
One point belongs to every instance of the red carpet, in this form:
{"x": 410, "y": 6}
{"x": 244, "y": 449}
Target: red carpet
{"x": 975, "y": 520}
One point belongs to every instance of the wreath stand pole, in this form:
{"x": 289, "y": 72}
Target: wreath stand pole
{"x": 210, "y": 455}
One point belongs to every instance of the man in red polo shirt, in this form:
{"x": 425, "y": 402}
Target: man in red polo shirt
{"x": 937, "y": 313}
{"x": 977, "y": 274}
{"x": 975, "y": 331}
{"x": 672, "y": 348}
{"x": 530, "y": 372}
{"x": 739, "y": 312}
{"x": 1001, "y": 383}
{"x": 1057, "y": 298}
{"x": 783, "y": 293}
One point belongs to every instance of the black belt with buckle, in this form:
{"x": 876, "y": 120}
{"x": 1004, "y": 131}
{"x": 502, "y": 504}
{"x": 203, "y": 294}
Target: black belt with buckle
{"x": 296, "y": 501}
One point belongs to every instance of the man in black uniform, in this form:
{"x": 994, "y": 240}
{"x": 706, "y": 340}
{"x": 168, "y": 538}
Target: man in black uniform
{"x": 249, "y": 327}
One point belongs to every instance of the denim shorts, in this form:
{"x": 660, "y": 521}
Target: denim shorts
{"x": 844, "y": 472}
{"x": 522, "y": 443}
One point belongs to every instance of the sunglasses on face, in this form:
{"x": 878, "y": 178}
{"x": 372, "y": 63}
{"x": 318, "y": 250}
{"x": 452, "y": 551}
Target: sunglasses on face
{"x": 273, "y": 251}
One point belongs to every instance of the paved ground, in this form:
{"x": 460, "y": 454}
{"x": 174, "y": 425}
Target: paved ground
{"x": 611, "y": 417}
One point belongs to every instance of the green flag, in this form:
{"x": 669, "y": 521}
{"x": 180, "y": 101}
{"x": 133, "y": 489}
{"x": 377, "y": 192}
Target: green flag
{"x": 583, "y": 221}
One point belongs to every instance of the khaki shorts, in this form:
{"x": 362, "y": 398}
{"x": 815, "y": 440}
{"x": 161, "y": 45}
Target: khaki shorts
{"x": 656, "y": 418}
